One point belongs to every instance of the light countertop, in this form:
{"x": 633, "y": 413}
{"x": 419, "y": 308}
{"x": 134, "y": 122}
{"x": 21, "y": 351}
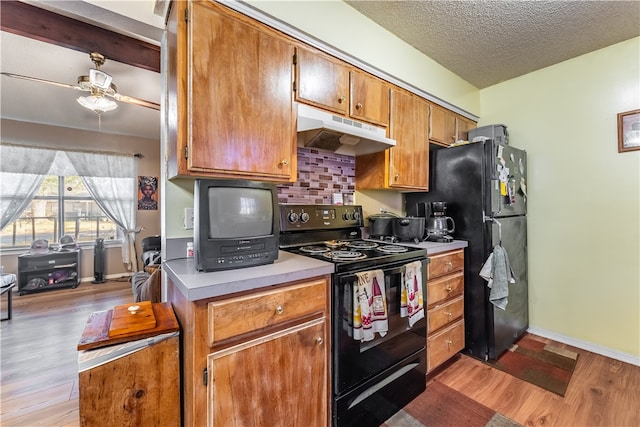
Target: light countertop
{"x": 436, "y": 247}
{"x": 197, "y": 285}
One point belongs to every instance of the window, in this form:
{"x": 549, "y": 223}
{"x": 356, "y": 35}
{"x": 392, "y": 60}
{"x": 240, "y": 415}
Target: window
{"x": 53, "y": 192}
{"x": 62, "y": 206}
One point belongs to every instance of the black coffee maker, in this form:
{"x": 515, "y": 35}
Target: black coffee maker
{"x": 439, "y": 225}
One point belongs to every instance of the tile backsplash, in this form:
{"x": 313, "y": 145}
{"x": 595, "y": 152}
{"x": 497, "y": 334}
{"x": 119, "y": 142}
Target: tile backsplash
{"x": 320, "y": 174}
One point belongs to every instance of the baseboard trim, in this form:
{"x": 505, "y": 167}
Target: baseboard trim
{"x": 603, "y": 351}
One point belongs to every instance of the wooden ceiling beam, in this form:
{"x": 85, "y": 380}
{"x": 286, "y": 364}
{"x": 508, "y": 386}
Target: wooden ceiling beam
{"x": 49, "y": 27}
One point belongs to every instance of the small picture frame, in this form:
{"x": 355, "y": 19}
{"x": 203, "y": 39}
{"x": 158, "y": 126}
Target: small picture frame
{"x": 629, "y": 131}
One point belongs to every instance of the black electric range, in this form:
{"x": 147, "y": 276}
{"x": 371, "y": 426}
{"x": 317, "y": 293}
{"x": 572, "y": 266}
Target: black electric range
{"x": 333, "y": 233}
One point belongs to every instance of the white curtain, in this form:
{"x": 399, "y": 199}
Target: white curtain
{"x": 21, "y": 173}
{"x": 110, "y": 179}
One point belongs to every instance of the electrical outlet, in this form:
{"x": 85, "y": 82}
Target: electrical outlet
{"x": 188, "y": 218}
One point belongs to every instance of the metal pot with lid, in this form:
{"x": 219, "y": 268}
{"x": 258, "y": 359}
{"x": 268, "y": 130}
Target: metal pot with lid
{"x": 381, "y": 224}
{"x": 409, "y": 228}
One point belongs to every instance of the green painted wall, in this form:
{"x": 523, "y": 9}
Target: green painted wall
{"x": 584, "y": 204}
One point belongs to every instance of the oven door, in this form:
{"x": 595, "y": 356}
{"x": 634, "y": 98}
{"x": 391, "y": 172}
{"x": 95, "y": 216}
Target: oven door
{"x": 355, "y": 362}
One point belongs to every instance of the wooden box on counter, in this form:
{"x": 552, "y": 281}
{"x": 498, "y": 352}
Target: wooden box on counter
{"x": 129, "y": 370}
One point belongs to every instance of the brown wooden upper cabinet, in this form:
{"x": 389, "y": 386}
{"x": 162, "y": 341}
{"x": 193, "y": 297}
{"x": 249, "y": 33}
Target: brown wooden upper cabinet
{"x": 330, "y": 84}
{"x": 463, "y": 126}
{"x": 404, "y": 167}
{"x": 230, "y": 109}
{"x": 447, "y": 127}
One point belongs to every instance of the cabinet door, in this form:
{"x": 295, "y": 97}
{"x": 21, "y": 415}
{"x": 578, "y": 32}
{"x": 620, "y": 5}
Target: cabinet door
{"x": 369, "y": 100}
{"x": 241, "y": 117}
{"x": 278, "y": 380}
{"x": 409, "y": 159}
{"x": 463, "y": 126}
{"x": 321, "y": 81}
{"x": 442, "y": 126}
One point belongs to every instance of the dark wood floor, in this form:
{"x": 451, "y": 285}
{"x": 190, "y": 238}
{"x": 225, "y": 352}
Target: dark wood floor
{"x": 39, "y": 379}
{"x": 39, "y": 370}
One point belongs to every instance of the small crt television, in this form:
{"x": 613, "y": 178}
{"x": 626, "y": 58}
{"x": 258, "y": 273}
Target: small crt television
{"x": 236, "y": 224}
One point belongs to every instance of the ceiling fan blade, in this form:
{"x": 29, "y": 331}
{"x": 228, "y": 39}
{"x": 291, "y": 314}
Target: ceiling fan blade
{"x": 35, "y": 79}
{"x": 136, "y": 101}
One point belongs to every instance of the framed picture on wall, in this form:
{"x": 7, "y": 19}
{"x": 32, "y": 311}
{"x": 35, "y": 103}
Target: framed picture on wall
{"x": 629, "y": 131}
{"x": 148, "y": 193}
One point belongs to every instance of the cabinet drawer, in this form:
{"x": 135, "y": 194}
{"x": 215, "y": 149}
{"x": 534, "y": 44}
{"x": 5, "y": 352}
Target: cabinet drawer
{"x": 444, "y": 288}
{"x": 445, "y": 314}
{"x": 445, "y": 263}
{"x": 445, "y": 344}
{"x": 237, "y": 316}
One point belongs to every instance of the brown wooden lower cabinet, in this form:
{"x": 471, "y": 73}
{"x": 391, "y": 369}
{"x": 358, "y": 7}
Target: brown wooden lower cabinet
{"x": 445, "y": 344}
{"x": 445, "y": 307}
{"x": 256, "y": 359}
{"x": 275, "y": 380}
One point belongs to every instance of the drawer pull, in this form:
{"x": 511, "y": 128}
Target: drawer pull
{"x": 319, "y": 340}
{"x": 279, "y": 309}
{"x": 449, "y": 314}
{"x": 449, "y": 288}
{"x": 449, "y": 265}
{"x": 341, "y": 99}
{"x": 358, "y": 106}
{"x": 449, "y": 342}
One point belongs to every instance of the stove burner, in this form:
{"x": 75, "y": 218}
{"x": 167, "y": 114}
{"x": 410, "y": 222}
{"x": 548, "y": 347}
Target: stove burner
{"x": 314, "y": 250}
{"x": 392, "y": 249}
{"x": 361, "y": 244}
{"x": 344, "y": 255}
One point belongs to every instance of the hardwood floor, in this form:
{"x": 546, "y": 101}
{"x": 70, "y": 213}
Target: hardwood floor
{"x": 39, "y": 378}
{"x": 602, "y": 392}
{"x": 39, "y": 370}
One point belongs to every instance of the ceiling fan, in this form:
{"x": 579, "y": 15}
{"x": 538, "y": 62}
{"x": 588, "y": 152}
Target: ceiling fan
{"x": 100, "y": 87}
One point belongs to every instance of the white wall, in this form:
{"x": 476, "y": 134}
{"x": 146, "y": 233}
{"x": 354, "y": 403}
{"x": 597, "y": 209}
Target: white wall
{"x": 584, "y": 204}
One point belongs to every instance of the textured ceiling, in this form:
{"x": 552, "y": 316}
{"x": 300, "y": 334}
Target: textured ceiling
{"x": 486, "y": 42}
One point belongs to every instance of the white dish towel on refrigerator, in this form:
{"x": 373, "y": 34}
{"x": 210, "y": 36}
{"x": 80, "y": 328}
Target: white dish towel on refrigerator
{"x": 498, "y": 274}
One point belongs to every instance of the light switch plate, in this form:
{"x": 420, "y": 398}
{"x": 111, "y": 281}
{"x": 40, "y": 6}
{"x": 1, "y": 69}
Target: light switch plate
{"x": 188, "y": 218}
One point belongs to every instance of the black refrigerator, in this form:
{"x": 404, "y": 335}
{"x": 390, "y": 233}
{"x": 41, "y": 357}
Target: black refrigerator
{"x": 484, "y": 185}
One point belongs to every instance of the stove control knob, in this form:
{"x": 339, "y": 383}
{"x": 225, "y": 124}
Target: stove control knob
{"x": 347, "y": 216}
{"x": 292, "y": 217}
{"x": 356, "y": 216}
{"x": 304, "y": 217}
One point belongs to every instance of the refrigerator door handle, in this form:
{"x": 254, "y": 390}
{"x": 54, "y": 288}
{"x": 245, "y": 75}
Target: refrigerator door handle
{"x": 495, "y": 198}
{"x": 495, "y": 221}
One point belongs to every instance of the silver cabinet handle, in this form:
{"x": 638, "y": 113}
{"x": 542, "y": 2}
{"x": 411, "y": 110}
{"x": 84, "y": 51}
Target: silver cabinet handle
{"x": 319, "y": 340}
{"x": 279, "y": 309}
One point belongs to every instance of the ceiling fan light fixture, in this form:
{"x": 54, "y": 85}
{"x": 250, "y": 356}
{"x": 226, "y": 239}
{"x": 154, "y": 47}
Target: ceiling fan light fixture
{"x": 98, "y": 104}
{"x": 99, "y": 79}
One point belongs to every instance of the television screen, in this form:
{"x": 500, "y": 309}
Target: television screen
{"x": 236, "y": 213}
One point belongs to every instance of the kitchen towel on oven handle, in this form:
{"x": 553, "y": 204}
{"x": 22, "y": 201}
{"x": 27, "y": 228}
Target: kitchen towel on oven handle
{"x": 412, "y": 299}
{"x": 369, "y": 305}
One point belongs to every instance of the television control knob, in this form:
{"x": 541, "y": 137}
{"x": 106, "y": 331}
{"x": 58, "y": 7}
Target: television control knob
{"x": 292, "y": 217}
{"x": 304, "y": 217}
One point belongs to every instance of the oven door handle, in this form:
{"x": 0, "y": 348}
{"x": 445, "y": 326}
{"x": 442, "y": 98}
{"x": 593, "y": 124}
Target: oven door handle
{"x": 351, "y": 277}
